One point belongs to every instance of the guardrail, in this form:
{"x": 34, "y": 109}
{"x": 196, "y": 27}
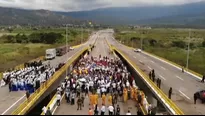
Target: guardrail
{"x": 158, "y": 92}
{"x": 143, "y": 109}
{"x": 170, "y": 62}
{"x": 27, "y": 104}
{"x": 52, "y": 104}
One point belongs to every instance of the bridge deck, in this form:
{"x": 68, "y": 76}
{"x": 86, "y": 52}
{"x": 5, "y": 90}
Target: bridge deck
{"x": 184, "y": 85}
{"x": 11, "y": 100}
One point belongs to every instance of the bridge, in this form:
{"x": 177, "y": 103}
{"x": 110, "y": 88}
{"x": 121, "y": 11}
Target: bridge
{"x": 184, "y": 84}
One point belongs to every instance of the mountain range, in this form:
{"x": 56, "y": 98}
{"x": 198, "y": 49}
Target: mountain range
{"x": 12, "y": 16}
{"x": 192, "y": 14}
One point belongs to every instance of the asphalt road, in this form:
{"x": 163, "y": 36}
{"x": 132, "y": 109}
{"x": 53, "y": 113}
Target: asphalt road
{"x": 66, "y": 109}
{"x": 184, "y": 85}
{"x": 9, "y": 101}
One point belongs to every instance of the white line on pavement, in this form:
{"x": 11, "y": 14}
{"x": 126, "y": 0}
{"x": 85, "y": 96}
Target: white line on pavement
{"x": 179, "y": 78}
{"x": 184, "y": 95}
{"x": 135, "y": 57}
{"x": 163, "y": 68}
{"x": 150, "y": 68}
{"x": 13, "y": 105}
{"x": 141, "y": 61}
{"x": 162, "y": 77}
{"x": 152, "y": 61}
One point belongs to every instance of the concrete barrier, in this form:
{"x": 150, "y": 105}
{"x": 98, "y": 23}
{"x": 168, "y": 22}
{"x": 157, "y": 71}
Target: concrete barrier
{"x": 169, "y": 105}
{"x": 27, "y": 104}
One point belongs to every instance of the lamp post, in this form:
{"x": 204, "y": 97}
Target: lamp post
{"x": 66, "y": 44}
{"x": 188, "y": 50}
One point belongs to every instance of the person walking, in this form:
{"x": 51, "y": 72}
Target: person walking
{"x": 96, "y": 111}
{"x": 73, "y": 98}
{"x": 79, "y": 103}
{"x": 58, "y": 97}
{"x": 48, "y": 112}
{"x": 150, "y": 75}
{"x": 111, "y": 110}
{"x": 27, "y": 94}
{"x": 159, "y": 83}
{"x": 103, "y": 109}
{"x": 170, "y": 92}
{"x": 203, "y": 78}
{"x": 118, "y": 110}
{"x": 195, "y": 98}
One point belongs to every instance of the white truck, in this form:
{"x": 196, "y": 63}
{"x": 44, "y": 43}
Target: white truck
{"x": 50, "y": 54}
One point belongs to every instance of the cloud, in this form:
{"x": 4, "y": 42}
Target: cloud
{"x": 78, "y": 5}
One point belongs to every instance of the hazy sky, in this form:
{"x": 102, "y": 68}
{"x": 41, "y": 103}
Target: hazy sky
{"x": 76, "y": 5}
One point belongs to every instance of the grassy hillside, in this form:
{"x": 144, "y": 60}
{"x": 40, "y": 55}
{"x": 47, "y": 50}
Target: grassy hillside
{"x": 168, "y": 43}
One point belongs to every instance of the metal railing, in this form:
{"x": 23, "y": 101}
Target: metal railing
{"x": 27, "y": 104}
{"x": 159, "y": 93}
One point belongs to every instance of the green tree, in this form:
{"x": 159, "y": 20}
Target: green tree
{"x": 180, "y": 44}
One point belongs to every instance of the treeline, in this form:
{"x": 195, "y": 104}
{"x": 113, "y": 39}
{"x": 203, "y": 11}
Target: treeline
{"x": 46, "y": 38}
{"x": 175, "y": 43}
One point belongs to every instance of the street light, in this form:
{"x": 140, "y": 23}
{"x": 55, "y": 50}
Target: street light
{"x": 66, "y": 44}
{"x": 187, "y": 64}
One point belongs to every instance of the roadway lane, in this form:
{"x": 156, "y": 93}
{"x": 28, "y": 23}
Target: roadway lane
{"x": 11, "y": 100}
{"x": 101, "y": 49}
{"x": 183, "y": 84}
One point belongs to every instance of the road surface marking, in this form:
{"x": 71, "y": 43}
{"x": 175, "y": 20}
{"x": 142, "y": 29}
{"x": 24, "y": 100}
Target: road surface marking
{"x": 135, "y": 57}
{"x": 163, "y": 68}
{"x": 37, "y": 95}
{"x": 162, "y": 77}
{"x": 13, "y": 105}
{"x": 184, "y": 95}
{"x": 152, "y": 61}
{"x": 141, "y": 61}
{"x": 150, "y": 68}
{"x": 57, "y": 105}
{"x": 144, "y": 57}
{"x": 177, "y": 67}
{"x": 179, "y": 78}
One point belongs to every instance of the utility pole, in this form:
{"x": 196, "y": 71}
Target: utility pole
{"x": 187, "y": 64}
{"x": 141, "y": 42}
{"x": 66, "y": 44}
{"x": 132, "y": 43}
{"x": 82, "y": 36}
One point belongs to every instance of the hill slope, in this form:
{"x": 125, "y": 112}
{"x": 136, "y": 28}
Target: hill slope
{"x": 136, "y": 15}
{"x": 12, "y": 16}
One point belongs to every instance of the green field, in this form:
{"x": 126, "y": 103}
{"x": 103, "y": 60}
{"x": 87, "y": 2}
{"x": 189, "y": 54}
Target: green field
{"x": 13, "y": 54}
{"x": 168, "y": 43}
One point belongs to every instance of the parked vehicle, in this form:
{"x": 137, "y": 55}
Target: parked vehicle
{"x": 50, "y": 54}
{"x": 60, "y": 51}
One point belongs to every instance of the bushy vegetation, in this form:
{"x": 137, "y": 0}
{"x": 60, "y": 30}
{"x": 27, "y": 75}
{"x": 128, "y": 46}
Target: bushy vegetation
{"x": 25, "y": 44}
{"x": 168, "y": 43}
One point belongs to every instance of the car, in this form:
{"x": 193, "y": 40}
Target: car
{"x": 138, "y": 50}
{"x": 201, "y": 95}
{"x": 71, "y": 48}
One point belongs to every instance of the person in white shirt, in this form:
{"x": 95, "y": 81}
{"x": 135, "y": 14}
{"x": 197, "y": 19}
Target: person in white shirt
{"x": 103, "y": 109}
{"x": 44, "y": 110}
{"x": 128, "y": 113}
{"x": 58, "y": 97}
{"x": 111, "y": 110}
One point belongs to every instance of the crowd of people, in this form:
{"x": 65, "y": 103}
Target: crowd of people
{"x": 101, "y": 79}
{"x": 29, "y": 78}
